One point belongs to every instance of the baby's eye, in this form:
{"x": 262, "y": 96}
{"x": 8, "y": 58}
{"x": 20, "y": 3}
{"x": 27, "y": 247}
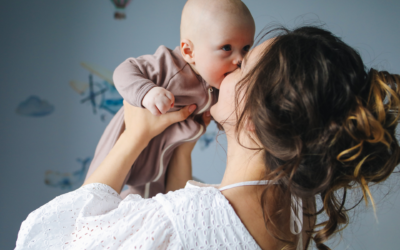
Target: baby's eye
{"x": 246, "y": 48}
{"x": 227, "y": 48}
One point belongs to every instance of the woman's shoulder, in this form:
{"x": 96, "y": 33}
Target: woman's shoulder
{"x": 194, "y": 194}
{"x": 95, "y": 216}
{"x": 203, "y": 217}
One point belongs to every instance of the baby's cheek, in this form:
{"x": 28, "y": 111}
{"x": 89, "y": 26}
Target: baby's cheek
{"x": 217, "y": 73}
{"x": 214, "y": 66}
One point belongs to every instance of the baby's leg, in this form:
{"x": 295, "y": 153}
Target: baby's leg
{"x": 180, "y": 167}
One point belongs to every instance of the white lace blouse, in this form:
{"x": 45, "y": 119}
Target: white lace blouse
{"x": 95, "y": 217}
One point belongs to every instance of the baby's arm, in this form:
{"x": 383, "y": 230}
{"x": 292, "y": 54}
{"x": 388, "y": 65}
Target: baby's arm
{"x": 141, "y": 81}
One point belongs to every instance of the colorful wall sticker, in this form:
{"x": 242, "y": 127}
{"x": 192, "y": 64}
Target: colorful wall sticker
{"x": 206, "y": 139}
{"x": 101, "y": 95}
{"x": 34, "y": 106}
{"x": 67, "y": 180}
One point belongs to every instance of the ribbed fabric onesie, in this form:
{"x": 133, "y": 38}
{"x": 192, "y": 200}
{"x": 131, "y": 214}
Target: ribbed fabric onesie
{"x": 133, "y": 79}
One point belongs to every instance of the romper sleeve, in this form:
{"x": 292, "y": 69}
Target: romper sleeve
{"x": 134, "y": 77}
{"x": 95, "y": 217}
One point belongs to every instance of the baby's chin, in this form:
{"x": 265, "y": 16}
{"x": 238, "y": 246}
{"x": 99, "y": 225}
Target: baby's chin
{"x": 215, "y": 84}
{"x": 212, "y": 110}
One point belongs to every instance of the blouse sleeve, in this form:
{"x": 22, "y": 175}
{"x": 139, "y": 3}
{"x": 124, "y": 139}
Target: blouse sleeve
{"x": 94, "y": 216}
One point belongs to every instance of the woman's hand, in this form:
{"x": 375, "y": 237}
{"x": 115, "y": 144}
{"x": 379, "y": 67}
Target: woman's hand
{"x": 140, "y": 127}
{"x": 141, "y": 124}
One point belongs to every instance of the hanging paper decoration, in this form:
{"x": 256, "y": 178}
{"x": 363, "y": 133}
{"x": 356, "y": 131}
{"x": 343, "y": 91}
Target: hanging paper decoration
{"x": 120, "y": 6}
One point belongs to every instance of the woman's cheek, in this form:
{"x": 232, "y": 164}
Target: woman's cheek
{"x": 228, "y": 103}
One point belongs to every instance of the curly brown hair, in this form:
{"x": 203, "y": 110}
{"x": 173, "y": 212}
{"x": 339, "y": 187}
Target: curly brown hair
{"x": 326, "y": 124}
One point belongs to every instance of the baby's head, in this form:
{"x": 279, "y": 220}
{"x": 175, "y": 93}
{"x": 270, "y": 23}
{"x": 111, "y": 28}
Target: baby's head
{"x": 215, "y": 36}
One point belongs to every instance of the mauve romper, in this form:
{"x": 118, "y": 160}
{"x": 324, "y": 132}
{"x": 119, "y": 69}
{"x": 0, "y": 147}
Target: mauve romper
{"x": 133, "y": 79}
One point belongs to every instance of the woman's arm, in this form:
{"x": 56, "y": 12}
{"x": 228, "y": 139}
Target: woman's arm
{"x": 140, "y": 127}
{"x": 113, "y": 170}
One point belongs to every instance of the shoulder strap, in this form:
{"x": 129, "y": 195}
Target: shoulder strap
{"x": 296, "y": 212}
{"x": 246, "y": 183}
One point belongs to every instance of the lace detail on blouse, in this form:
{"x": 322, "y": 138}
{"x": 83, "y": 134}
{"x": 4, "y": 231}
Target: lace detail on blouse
{"x": 204, "y": 219}
{"x": 95, "y": 217}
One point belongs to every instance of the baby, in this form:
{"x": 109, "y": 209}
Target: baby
{"x": 215, "y": 36}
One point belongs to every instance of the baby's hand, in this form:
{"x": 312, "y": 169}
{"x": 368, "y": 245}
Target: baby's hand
{"x": 158, "y": 100}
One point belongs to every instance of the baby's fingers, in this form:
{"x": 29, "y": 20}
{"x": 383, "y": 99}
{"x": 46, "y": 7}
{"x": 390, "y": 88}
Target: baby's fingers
{"x": 171, "y": 97}
{"x": 154, "y": 110}
{"x": 163, "y": 104}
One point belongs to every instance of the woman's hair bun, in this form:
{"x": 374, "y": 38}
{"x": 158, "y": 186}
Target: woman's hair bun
{"x": 369, "y": 129}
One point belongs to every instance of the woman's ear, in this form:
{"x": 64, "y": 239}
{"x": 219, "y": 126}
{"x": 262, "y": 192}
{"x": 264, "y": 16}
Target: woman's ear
{"x": 250, "y": 125}
{"x": 250, "y": 130}
{"x": 187, "y": 51}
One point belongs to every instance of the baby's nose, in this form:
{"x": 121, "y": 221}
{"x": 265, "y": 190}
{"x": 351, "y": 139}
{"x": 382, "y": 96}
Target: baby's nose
{"x": 237, "y": 60}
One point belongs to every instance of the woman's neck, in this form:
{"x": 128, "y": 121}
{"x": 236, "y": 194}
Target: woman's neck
{"x": 243, "y": 164}
{"x": 249, "y": 165}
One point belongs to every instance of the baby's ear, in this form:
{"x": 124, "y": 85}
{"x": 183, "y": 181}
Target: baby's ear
{"x": 187, "y": 51}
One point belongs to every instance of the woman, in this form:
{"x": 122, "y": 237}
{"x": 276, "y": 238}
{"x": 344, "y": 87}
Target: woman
{"x": 302, "y": 118}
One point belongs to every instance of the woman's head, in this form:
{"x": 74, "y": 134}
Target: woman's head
{"x": 324, "y": 122}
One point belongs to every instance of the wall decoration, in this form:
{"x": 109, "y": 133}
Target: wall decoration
{"x": 100, "y": 95}
{"x": 67, "y": 180}
{"x": 120, "y": 6}
{"x": 206, "y": 139}
{"x": 79, "y": 87}
{"x": 34, "y": 106}
{"x": 103, "y": 117}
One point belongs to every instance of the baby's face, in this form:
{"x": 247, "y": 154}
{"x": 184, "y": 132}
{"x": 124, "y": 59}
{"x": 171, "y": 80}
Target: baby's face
{"x": 221, "y": 49}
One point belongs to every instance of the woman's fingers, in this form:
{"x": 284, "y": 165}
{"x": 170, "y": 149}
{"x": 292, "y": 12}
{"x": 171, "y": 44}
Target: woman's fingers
{"x": 140, "y": 122}
{"x": 180, "y": 115}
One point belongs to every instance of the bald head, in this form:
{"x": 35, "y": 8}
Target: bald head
{"x": 197, "y": 15}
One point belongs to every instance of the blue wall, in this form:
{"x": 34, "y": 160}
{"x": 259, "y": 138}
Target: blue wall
{"x": 43, "y": 42}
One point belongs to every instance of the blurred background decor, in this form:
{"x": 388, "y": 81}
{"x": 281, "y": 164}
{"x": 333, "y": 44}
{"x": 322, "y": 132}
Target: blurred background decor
{"x": 99, "y": 94}
{"x": 120, "y": 6}
{"x": 68, "y": 180}
{"x": 34, "y": 106}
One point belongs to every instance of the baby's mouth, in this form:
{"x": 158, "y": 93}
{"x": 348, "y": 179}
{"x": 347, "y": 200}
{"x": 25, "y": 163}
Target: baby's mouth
{"x": 227, "y": 73}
